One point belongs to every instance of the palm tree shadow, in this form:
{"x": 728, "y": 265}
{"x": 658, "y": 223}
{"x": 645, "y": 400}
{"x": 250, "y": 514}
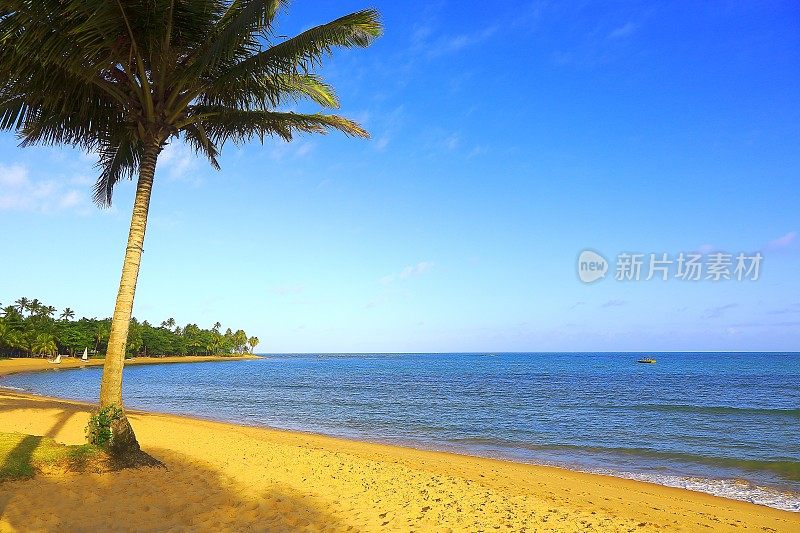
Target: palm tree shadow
{"x": 186, "y": 495}
{"x": 23, "y": 452}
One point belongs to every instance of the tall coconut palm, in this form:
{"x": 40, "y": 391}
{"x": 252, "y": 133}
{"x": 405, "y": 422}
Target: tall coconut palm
{"x": 67, "y": 314}
{"x": 124, "y": 78}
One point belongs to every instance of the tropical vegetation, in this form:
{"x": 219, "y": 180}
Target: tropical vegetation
{"x": 28, "y": 328}
{"x": 122, "y": 79}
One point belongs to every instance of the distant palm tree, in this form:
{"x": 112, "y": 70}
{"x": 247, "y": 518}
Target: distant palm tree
{"x": 123, "y": 78}
{"x": 67, "y": 314}
{"x": 22, "y": 304}
{"x": 253, "y": 342}
{"x": 44, "y": 344}
{"x": 240, "y": 339}
{"x": 35, "y": 307}
{"x": 48, "y": 311}
{"x": 170, "y": 323}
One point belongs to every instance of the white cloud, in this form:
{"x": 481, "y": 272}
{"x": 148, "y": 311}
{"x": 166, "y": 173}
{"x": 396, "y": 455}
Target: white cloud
{"x": 279, "y": 149}
{"x": 410, "y": 271}
{"x": 706, "y": 248}
{"x": 13, "y": 176}
{"x": 452, "y": 141}
{"x": 784, "y": 241}
{"x": 70, "y": 199}
{"x": 456, "y": 43}
{"x": 179, "y": 162}
{"x": 625, "y": 30}
{"x": 479, "y": 150}
{"x": 19, "y": 192}
{"x": 415, "y": 270}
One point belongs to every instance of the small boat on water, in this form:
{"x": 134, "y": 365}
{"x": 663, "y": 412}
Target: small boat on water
{"x": 647, "y": 360}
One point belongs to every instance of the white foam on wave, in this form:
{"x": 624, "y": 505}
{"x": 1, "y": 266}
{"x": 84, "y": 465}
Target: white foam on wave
{"x": 735, "y": 489}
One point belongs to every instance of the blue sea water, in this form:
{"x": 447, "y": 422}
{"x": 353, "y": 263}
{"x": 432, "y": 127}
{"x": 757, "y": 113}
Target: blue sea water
{"x": 724, "y": 423}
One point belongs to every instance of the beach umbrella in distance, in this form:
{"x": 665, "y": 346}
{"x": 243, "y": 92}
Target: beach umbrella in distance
{"x": 122, "y": 79}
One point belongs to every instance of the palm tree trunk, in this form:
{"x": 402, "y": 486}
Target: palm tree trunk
{"x": 124, "y": 441}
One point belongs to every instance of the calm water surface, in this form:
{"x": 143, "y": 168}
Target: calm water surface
{"x": 728, "y": 424}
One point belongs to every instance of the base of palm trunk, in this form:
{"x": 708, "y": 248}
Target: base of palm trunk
{"x": 124, "y": 449}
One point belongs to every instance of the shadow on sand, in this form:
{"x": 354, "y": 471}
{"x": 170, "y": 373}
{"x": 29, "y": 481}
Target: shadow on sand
{"x": 185, "y": 494}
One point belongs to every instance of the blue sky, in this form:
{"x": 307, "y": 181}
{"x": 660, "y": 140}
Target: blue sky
{"x": 507, "y": 138}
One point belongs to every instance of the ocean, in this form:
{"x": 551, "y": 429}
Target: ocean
{"x": 723, "y": 423}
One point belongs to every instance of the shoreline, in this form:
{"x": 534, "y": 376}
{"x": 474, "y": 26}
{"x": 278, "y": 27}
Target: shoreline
{"x": 17, "y": 365}
{"x": 331, "y": 469}
{"x": 578, "y": 497}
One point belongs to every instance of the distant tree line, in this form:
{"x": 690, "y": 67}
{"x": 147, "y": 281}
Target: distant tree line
{"x": 31, "y": 328}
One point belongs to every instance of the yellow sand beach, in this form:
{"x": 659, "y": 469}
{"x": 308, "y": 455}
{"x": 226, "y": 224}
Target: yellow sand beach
{"x": 224, "y": 477}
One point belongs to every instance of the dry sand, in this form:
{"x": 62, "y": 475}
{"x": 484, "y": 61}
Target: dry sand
{"x": 224, "y": 477}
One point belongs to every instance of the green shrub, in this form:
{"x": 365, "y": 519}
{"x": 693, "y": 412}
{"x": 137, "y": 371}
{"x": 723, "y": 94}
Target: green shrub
{"x": 98, "y": 430}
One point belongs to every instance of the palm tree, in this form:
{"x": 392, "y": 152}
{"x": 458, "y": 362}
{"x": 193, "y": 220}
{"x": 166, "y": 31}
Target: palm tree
{"x": 67, "y": 314}
{"x": 35, "y": 307}
{"x": 44, "y": 344}
{"x": 240, "y": 340}
{"x": 125, "y": 78}
{"x": 22, "y": 304}
{"x": 253, "y": 342}
{"x": 100, "y": 335}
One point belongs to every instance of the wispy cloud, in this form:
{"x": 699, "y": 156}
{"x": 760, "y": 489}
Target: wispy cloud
{"x": 452, "y": 141}
{"x": 790, "y": 309}
{"x": 614, "y": 303}
{"x": 718, "y": 311}
{"x": 623, "y": 31}
{"x": 705, "y": 248}
{"x": 456, "y": 43}
{"x": 19, "y": 192}
{"x": 477, "y": 151}
{"x": 784, "y": 241}
{"x": 410, "y": 271}
{"x": 425, "y": 42}
{"x": 387, "y": 127}
{"x": 179, "y": 162}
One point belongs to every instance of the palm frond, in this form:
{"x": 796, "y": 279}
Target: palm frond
{"x": 118, "y": 160}
{"x": 271, "y": 91}
{"x": 237, "y": 125}
{"x": 234, "y": 36}
{"x": 198, "y": 139}
{"x": 306, "y": 50}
